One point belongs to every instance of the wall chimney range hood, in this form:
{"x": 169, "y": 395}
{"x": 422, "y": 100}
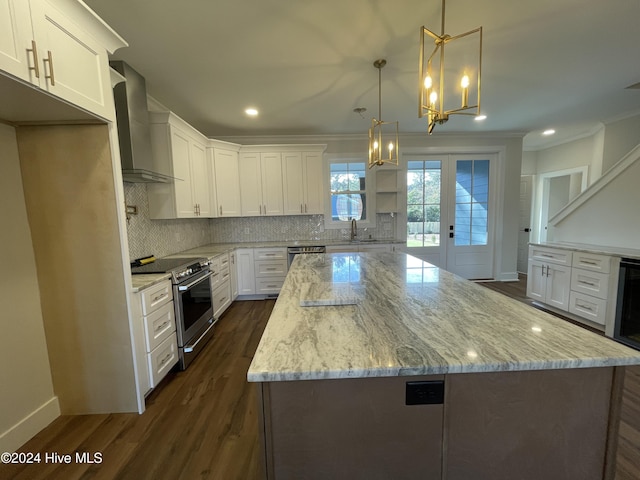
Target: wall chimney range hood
{"x": 133, "y": 127}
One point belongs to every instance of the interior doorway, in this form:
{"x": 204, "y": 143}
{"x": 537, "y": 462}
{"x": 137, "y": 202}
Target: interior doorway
{"x": 556, "y": 191}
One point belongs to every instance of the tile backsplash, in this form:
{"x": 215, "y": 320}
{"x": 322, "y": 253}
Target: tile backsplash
{"x": 160, "y": 237}
{"x": 297, "y": 227}
{"x": 165, "y": 237}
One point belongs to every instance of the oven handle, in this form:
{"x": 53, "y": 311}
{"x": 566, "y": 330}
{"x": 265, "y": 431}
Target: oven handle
{"x": 189, "y": 348}
{"x": 182, "y": 288}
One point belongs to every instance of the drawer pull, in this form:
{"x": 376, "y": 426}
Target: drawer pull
{"x": 591, "y": 284}
{"x": 587, "y": 262}
{"x": 271, "y": 269}
{"x": 159, "y": 297}
{"x": 586, "y": 307}
{"x": 166, "y": 358}
{"x": 226, "y": 275}
{"x": 546, "y": 255}
{"x": 160, "y": 327}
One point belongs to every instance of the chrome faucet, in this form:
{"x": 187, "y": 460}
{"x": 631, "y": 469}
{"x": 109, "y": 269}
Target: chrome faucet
{"x": 354, "y": 229}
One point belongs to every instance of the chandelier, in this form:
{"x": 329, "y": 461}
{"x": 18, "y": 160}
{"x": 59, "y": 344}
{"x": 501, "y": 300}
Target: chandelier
{"x": 438, "y": 99}
{"x": 383, "y": 136}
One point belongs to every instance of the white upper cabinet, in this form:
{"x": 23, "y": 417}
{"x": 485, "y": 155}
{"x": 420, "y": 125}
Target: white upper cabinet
{"x": 261, "y": 183}
{"x": 16, "y": 35}
{"x": 302, "y": 176}
{"x": 224, "y": 182}
{"x": 178, "y": 151}
{"x": 60, "y": 47}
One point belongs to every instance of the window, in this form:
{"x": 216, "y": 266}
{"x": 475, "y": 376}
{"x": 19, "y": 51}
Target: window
{"x": 472, "y": 202}
{"x": 423, "y": 203}
{"x": 348, "y": 193}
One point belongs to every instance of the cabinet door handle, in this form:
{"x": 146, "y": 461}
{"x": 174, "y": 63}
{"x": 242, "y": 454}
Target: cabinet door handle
{"x": 51, "y": 76}
{"x": 305, "y": 208}
{"x": 36, "y": 65}
{"x": 220, "y": 210}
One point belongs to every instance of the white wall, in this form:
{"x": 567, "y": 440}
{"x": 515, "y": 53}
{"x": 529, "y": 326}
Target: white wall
{"x": 619, "y": 138}
{"x": 27, "y": 400}
{"x": 610, "y": 218}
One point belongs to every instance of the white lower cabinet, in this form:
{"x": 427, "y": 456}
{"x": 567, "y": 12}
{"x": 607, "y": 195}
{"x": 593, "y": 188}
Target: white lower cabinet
{"x": 261, "y": 271}
{"x": 221, "y": 285}
{"x": 245, "y": 269}
{"x": 549, "y": 283}
{"x": 579, "y": 283}
{"x": 233, "y": 274}
{"x": 270, "y": 269}
{"x": 162, "y": 359}
{"x": 156, "y": 341}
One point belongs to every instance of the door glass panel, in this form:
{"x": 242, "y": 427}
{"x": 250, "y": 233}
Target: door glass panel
{"x": 472, "y": 201}
{"x": 423, "y": 203}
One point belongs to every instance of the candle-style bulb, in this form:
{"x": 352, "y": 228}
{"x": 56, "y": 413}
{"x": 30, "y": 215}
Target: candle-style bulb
{"x": 464, "y": 83}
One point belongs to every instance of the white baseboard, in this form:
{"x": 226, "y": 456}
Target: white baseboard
{"x": 508, "y": 277}
{"x": 29, "y": 426}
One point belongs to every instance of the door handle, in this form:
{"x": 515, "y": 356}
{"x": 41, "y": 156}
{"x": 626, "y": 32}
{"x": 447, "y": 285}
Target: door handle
{"x": 451, "y": 235}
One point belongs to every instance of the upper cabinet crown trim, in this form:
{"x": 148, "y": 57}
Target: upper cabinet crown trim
{"x": 80, "y": 14}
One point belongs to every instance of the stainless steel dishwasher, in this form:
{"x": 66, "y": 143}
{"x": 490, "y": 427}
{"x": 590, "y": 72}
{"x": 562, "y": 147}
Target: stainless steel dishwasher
{"x": 300, "y": 250}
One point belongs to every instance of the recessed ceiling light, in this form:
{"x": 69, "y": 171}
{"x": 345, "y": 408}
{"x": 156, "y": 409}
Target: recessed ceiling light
{"x": 252, "y": 112}
{"x": 479, "y": 118}
{"x": 550, "y": 131}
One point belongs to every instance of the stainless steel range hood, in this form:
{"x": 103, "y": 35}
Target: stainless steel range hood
{"x": 133, "y": 128}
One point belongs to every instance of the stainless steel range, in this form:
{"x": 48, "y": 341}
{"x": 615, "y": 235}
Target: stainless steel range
{"x": 191, "y": 279}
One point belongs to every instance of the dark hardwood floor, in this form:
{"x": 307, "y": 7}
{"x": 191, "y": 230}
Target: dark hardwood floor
{"x": 199, "y": 424}
{"x": 202, "y": 423}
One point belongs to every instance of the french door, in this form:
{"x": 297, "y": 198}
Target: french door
{"x": 450, "y": 219}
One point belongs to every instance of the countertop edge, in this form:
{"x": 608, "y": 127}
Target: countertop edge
{"x": 264, "y": 377}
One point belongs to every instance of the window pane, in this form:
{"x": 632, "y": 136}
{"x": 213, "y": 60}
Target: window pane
{"x": 472, "y": 197}
{"x": 345, "y": 207}
{"x": 423, "y": 203}
{"x": 481, "y": 181}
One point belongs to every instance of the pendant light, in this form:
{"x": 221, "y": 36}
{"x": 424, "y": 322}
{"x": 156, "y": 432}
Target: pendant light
{"x": 383, "y": 136}
{"x": 437, "y": 99}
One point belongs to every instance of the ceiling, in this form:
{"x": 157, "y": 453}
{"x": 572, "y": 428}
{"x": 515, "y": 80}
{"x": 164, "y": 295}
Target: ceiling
{"x": 306, "y": 64}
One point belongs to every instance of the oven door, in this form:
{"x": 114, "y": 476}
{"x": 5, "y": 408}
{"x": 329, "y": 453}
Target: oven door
{"x": 194, "y": 311}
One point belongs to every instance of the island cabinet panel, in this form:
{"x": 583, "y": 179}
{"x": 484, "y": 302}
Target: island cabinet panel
{"x": 528, "y": 425}
{"x": 350, "y": 428}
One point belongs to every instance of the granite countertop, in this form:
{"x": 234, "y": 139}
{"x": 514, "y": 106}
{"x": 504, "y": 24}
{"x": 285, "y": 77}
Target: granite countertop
{"x": 140, "y": 282}
{"x": 412, "y": 318}
{"x": 598, "y": 249}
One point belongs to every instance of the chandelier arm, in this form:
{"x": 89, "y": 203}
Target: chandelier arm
{"x": 476, "y": 30}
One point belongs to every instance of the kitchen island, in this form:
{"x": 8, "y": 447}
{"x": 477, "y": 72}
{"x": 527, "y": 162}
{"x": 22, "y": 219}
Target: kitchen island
{"x": 383, "y": 366}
